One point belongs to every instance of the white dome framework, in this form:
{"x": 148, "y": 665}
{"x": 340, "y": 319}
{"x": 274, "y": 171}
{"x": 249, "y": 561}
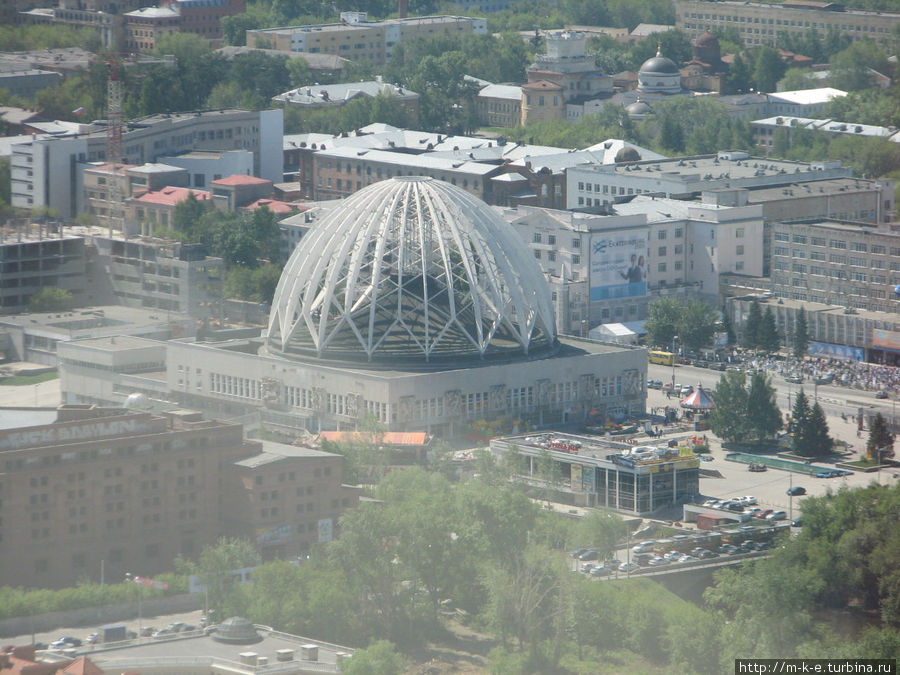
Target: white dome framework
{"x": 411, "y": 270}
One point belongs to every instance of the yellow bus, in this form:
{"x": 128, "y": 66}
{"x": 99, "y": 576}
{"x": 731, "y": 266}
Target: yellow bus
{"x": 664, "y": 358}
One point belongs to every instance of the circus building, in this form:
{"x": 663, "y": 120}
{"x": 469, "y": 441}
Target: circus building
{"x": 414, "y": 304}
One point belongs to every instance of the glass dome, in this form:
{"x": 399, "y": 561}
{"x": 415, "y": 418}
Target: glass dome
{"x": 411, "y": 270}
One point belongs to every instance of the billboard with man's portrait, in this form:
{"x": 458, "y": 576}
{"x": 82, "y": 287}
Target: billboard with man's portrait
{"x": 619, "y": 264}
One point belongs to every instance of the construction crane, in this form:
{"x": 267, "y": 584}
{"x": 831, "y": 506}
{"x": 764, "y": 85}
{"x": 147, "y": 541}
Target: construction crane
{"x": 114, "y": 151}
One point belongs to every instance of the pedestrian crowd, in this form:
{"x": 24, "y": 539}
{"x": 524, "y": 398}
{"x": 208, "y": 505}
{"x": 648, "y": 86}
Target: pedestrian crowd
{"x": 853, "y": 374}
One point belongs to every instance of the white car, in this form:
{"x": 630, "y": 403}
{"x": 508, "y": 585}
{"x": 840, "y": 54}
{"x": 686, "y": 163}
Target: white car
{"x": 777, "y": 515}
{"x": 752, "y": 511}
{"x": 711, "y": 503}
{"x": 746, "y": 500}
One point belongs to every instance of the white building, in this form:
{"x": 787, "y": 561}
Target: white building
{"x": 46, "y": 169}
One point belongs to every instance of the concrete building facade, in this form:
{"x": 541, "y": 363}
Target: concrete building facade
{"x": 46, "y": 169}
{"x": 760, "y": 23}
{"x": 132, "y": 490}
{"x": 30, "y": 261}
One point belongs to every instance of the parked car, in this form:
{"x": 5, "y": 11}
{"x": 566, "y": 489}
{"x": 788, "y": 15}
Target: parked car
{"x": 644, "y": 546}
{"x": 746, "y": 500}
{"x": 764, "y": 513}
{"x": 718, "y": 365}
{"x": 658, "y": 562}
{"x": 92, "y": 638}
{"x": 74, "y": 641}
{"x": 587, "y": 567}
{"x": 710, "y": 503}
{"x": 589, "y": 555}
{"x": 796, "y": 491}
{"x": 667, "y": 387}
{"x": 611, "y": 563}
{"x": 700, "y": 363}
{"x": 728, "y": 549}
{"x": 578, "y": 551}
{"x": 752, "y": 511}
{"x": 687, "y": 558}
{"x": 777, "y": 515}
{"x": 794, "y": 379}
{"x": 629, "y": 567}
{"x": 642, "y": 559}
{"x": 672, "y": 555}
{"x": 797, "y": 522}
{"x": 756, "y": 467}
{"x": 686, "y": 390}
{"x": 147, "y": 631}
{"x": 707, "y": 554}
{"x": 601, "y": 571}
{"x": 735, "y": 506}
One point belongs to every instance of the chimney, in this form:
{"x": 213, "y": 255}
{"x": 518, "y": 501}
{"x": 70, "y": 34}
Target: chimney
{"x": 402, "y": 8}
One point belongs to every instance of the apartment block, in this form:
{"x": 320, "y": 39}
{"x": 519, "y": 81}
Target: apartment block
{"x": 130, "y": 490}
{"x": 760, "y": 23}
{"x": 358, "y": 39}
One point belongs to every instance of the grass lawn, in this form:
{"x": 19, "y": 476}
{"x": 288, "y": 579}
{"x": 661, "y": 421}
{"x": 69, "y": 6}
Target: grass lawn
{"x": 25, "y": 380}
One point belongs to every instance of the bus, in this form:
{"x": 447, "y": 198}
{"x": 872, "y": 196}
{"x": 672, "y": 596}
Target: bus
{"x": 663, "y": 358}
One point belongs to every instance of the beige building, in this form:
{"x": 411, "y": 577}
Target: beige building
{"x": 131, "y": 490}
{"x": 760, "y": 24}
{"x": 500, "y": 105}
{"x": 358, "y": 39}
{"x": 543, "y": 101}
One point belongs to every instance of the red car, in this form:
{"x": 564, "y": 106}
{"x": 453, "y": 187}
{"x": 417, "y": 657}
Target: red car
{"x": 762, "y": 514}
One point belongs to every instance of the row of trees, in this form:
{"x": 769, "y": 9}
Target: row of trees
{"x": 693, "y": 322}
{"x": 485, "y": 552}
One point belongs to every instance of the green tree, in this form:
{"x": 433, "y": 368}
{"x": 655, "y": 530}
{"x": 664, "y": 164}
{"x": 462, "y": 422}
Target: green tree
{"x": 880, "y": 442}
{"x": 215, "y": 566}
{"x": 800, "y": 338}
{"x": 601, "y": 531}
{"x": 800, "y": 427}
{"x": 188, "y": 213}
{"x": 299, "y": 72}
{"x": 820, "y": 442}
{"x": 379, "y": 658}
{"x": 727, "y": 326}
{"x": 763, "y": 415}
{"x": 750, "y": 330}
{"x": 662, "y": 321}
{"x": 797, "y": 78}
{"x": 769, "y": 339}
{"x": 850, "y": 67}
{"x": 697, "y": 324}
{"x": 50, "y": 299}
{"x": 728, "y": 420}
{"x": 739, "y": 78}
{"x": 768, "y": 69}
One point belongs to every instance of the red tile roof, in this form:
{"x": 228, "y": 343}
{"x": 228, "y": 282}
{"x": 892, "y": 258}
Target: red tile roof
{"x": 81, "y": 666}
{"x": 170, "y": 196}
{"x": 240, "y": 179}
{"x": 275, "y": 206}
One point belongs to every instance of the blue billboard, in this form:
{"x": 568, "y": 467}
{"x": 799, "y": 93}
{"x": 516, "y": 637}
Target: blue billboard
{"x": 845, "y": 352}
{"x": 619, "y": 264}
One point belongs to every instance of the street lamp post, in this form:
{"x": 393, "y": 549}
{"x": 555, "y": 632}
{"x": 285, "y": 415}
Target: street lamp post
{"x": 674, "y": 340}
{"x": 791, "y": 497}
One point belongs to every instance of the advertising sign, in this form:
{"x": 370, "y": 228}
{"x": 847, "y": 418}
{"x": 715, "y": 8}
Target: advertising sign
{"x": 836, "y": 351}
{"x": 886, "y": 339}
{"x": 576, "y": 477}
{"x": 326, "y": 530}
{"x": 587, "y": 478}
{"x": 619, "y": 265}
{"x": 278, "y": 534}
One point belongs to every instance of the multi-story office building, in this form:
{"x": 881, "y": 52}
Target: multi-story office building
{"x": 500, "y": 105}
{"x": 835, "y": 331}
{"x": 361, "y": 40}
{"x": 835, "y": 263}
{"x": 680, "y": 247}
{"x": 760, "y": 23}
{"x": 34, "y": 259}
{"x": 46, "y": 169}
{"x": 687, "y": 177}
{"x": 84, "y": 487}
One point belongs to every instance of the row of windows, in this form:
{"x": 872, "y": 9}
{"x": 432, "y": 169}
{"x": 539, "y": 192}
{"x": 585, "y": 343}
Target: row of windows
{"x": 789, "y": 23}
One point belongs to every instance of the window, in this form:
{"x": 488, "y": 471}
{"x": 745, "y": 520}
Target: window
{"x": 740, "y": 249}
{"x": 661, "y": 251}
{"x": 537, "y": 238}
{"x": 551, "y": 239}
{"x": 537, "y": 254}
{"x": 661, "y": 235}
{"x": 576, "y": 259}
{"x": 661, "y": 267}
{"x": 576, "y": 243}
{"x": 739, "y": 233}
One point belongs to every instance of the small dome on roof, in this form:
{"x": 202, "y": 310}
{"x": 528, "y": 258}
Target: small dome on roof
{"x": 659, "y": 65}
{"x": 236, "y": 630}
{"x": 627, "y": 155}
{"x": 707, "y": 40}
{"x": 639, "y": 107}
